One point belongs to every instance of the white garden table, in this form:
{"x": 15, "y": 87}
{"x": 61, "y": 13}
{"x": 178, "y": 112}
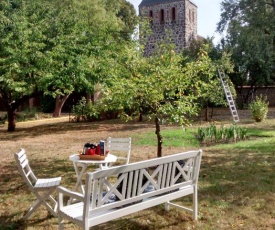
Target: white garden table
{"x": 80, "y": 167}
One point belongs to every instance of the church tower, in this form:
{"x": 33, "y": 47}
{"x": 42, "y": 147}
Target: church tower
{"x": 176, "y": 19}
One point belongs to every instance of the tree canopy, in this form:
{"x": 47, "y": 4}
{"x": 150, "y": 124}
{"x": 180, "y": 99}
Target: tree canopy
{"x": 55, "y": 47}
{"x": 160, "y": 86}
{"x": 250, "y": 27}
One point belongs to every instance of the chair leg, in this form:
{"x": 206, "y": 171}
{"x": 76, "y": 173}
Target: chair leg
{"x": 34, "y": 206}
{"x": 46, "y": 196}
{"x": 55, "y": 203}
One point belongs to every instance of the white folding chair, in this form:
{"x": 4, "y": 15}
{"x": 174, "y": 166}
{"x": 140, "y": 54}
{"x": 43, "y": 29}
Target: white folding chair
{"x": 41, "y": 188}
{"x": 120, "y": 147}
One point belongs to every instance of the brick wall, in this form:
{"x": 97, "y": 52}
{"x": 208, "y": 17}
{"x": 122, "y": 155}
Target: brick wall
{"x": 265, "y": 91}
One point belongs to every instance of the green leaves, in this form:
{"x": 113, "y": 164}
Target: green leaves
{"x": 251, "y": 39}
{"x": 205, "y": 79}
{"x": 156, "y": 84}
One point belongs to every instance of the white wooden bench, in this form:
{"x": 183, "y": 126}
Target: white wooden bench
{"x": 136, "y": 188}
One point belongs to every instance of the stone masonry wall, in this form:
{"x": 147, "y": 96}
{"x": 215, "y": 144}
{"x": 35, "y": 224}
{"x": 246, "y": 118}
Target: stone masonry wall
{"x": 174, "y": 21}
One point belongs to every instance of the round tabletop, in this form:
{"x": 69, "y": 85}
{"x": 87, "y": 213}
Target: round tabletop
{"x": 108, "y": 159}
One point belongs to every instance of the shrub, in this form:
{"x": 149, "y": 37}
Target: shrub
{"x": 90, "y": 112}
{"x": 259, "y": 108}
{"x": 27, "y": 114}
{"x": 85, "y": 111}
{"x": 78, "y": 109}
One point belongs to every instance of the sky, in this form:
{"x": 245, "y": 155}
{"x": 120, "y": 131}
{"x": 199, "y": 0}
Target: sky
{"x": 208, "y": 17}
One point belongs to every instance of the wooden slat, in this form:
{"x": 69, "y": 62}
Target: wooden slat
{"x": 22, "y": 158}
{"x": 21, "y": 153}
{"x": 51, "y": 182}
{"x": 130, "y": 184}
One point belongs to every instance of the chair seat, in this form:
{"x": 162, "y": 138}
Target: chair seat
{"x": 47, "y": 183}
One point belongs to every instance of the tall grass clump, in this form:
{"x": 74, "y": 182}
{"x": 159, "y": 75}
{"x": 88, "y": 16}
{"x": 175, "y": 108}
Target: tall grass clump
{"x": 213, "y": 134}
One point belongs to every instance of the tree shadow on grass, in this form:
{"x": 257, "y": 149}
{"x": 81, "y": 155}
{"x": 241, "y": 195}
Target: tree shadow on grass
{"x": 236, "y": 178}
{"x": 7, "y": 222}
{"x": 149, "y": 219}
{"x": 62, "y": 127}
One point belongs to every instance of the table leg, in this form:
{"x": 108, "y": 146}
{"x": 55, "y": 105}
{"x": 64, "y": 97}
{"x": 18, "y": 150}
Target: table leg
{"x": 79, "y": 174}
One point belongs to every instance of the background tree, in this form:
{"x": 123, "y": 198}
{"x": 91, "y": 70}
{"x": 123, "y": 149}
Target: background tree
{"x": 128, "y": 16}
{"x": 157, "y": 84}
{"x": 250, "y": 27}
{"x": 85, "y": 31}
{"x": 210, "y": 59}
{"x": 21, "y": 53}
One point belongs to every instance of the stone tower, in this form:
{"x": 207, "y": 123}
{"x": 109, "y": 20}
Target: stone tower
{"x": 173, "y": 19}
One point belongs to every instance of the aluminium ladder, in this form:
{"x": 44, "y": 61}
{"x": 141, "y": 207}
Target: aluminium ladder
{"x": 229, "y": 97}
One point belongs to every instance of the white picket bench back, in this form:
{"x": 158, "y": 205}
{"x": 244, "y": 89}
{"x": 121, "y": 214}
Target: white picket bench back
{"x": 167, "y": 178}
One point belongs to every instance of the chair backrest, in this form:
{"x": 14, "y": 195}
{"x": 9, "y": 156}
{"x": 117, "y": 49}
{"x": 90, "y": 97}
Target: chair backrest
{"x": 118, "y": 146}
{"x": 24, "y": 168}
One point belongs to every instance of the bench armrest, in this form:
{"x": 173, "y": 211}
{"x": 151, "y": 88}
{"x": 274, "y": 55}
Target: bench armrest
{"x": 62, "y": 191}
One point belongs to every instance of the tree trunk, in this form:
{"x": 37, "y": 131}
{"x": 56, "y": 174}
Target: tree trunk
{"x": 89, "y": 98}
{"x": 212, "y": 113}
{"x": 206, "y": 111}
{"x": 159, "y": 137}
{"x": 11, "y": 119}
{"x": 59, "y": 102}
{"x": 140, "y": 115}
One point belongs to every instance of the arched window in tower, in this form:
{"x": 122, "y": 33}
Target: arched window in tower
{"x": 173, "y": 14}
{"x": 151, "y": 16}
{"x": 193, "y": 16}
{"x": 161, "y": 16}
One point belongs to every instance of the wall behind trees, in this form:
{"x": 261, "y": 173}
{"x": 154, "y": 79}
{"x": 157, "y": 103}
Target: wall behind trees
{"x": 268, "y": 91}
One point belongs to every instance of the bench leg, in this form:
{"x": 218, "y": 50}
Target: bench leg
{"x": 60, "y": 222}
{"x": 167, "y": 206}
{"x": 195, "y": 203}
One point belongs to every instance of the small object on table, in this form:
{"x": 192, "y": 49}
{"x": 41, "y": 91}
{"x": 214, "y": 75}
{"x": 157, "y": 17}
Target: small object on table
{"x": 91, "y": 157}
{"x": 102, "y": 148}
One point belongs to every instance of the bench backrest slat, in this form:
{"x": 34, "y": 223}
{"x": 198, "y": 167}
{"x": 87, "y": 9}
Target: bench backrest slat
{"x": 163, "y": 174}
{"x": 130, "y": 184}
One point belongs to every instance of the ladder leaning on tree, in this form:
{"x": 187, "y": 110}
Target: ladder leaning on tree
{"x": 229, "y": 97}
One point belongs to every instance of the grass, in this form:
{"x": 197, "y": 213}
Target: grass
{"x": 236, "y": 184}
{"x": 185, "y": 138}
